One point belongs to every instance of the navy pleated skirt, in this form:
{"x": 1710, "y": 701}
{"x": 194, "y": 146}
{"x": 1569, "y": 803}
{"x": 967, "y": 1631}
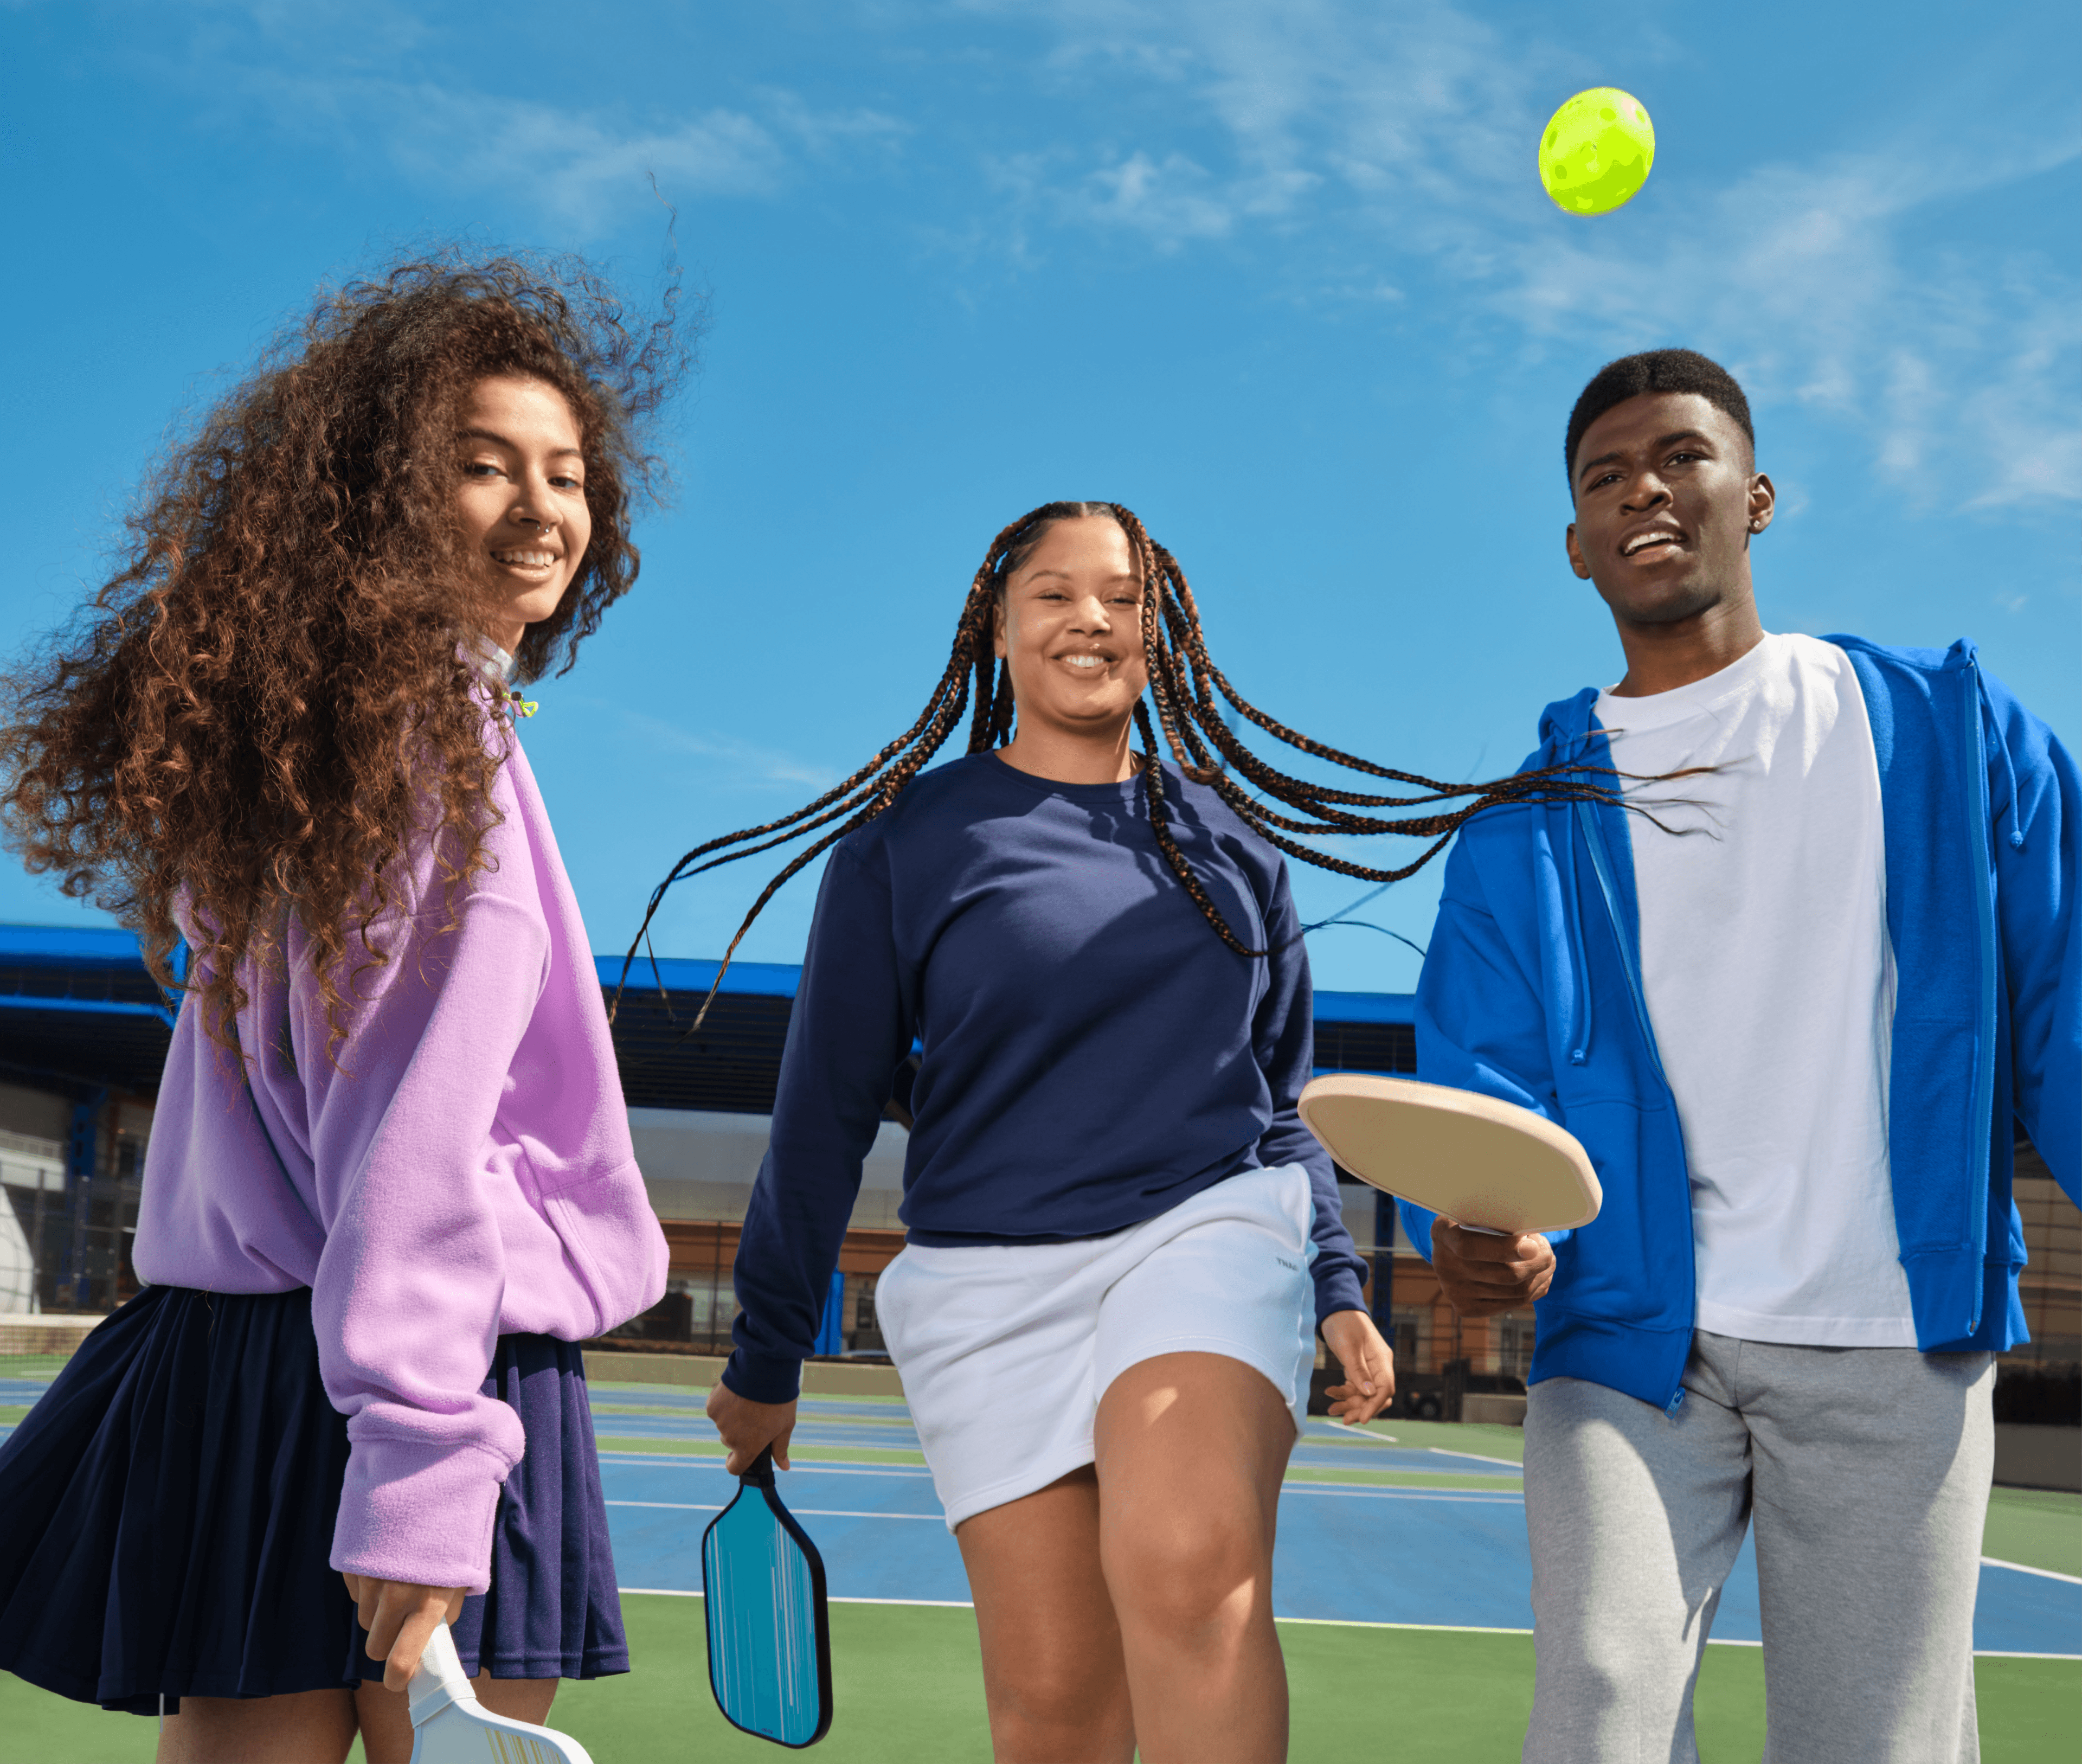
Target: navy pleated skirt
{"x": 166, "y": 1513}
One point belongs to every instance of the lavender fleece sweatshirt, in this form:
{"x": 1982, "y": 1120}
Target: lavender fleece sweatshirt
{"x": 464, "y": 1172}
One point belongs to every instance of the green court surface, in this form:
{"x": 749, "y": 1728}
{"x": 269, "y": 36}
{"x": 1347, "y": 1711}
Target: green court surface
{"x": 909, "y": 1684}
{"x": 908, "y": 1690}
{"x": 2039, "y": 1527}
{"x": 27, "y": 1365}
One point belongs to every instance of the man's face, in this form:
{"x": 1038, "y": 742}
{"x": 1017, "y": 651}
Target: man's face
{"x": 1666, "y": 504}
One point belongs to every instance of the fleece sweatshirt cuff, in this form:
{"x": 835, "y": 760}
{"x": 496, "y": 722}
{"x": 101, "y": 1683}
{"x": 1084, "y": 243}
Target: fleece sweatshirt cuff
{"x": 764, "y": 1377}
{"x": 412, "y": 1510}
{"x": 1336, "y": 1290}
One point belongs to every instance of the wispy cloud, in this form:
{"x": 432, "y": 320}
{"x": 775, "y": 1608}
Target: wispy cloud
{"x": 375, "y": 77}
{"x": 574, "y": 162}
{"x": 1171, "y": 199}
{"x": 740, "y": 764}
{"x": 580, "y": 168}
{"x": 1372, "y": 143}
{"x": 1362, "y": 151}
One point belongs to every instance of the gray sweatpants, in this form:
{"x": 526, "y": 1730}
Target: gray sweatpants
{"x": 1865, "y": 1471}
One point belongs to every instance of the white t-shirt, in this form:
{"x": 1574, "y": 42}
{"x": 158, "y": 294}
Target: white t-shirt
{"x": 1769, "y": 979}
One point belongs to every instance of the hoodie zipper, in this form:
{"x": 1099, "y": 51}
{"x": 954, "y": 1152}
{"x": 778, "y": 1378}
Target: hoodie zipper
{"x": 1981, "y": 1118}
{"x": 1601, "y": 866}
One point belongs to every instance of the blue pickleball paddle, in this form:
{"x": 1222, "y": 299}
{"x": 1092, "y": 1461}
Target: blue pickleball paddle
{"x": 770, "y": 1632}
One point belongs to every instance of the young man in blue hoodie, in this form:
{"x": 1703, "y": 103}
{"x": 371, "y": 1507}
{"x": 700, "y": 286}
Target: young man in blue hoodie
{"x": 1794, "y": 1002}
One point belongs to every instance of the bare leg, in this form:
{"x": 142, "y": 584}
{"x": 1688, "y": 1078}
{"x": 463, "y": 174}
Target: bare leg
{"x": 1052, "y": 1671}
{"x": 386, "y": 1719}
{"x": 311, "y": 1727}
{"x": 1191, "y": 1447}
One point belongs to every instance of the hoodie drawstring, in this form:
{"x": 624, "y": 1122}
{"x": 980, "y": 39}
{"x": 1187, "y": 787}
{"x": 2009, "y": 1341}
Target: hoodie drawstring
{"x": 2003, "y": 748}
{"x": 1564, "y": 729}
{"x": 1579, "y": 1025}
{"x": 1581, "y": 1051}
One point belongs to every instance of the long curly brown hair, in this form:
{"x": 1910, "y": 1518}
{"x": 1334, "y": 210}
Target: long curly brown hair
{"x": 272, "y": 699}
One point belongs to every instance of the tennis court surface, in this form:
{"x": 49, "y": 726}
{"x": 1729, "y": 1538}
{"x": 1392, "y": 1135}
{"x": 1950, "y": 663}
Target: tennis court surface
{"x": 1401, "y": 1580}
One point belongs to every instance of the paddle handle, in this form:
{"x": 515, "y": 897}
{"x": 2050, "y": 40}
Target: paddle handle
{"x": 440, "y": 1679}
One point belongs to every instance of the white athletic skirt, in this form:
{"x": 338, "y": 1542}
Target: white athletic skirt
{"x": 1006, "y": 1349}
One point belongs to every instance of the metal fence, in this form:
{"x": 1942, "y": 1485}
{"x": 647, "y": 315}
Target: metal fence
{"x": 699, "y": 1307}
{"x": 69, "y": 1215}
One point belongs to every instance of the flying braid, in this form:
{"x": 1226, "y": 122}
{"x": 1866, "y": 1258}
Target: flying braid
{"x": 1189, "y": 691}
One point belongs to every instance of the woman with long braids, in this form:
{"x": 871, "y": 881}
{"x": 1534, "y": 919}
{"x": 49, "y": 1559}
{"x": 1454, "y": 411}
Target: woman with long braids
{"x": 389, "y": 1182}
{"x": 1122, "y": 1240}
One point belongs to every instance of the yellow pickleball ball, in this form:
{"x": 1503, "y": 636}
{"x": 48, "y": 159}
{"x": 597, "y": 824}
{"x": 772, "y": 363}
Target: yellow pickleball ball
{"x": 1596, "y": 151}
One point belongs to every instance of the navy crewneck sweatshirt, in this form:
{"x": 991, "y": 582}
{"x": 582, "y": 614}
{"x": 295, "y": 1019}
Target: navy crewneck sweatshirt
{"x": 1091, "y": 1053}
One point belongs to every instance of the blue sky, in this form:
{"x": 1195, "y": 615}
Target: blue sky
{"x": 1278, "y": 275}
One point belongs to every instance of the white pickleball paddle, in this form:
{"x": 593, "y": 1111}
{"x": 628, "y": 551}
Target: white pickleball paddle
{"x": 450, "y": 1726}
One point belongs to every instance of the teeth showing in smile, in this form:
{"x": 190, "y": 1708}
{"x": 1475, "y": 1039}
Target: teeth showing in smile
{"x": 1642, "y": 541}
{"x": 1085, "y": 661}
{"x": 533, "y": 560}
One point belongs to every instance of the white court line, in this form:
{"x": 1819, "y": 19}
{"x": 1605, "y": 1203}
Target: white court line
{"x": 1316, "y": 1622}
{"x": 2005, "y": 1653}
{"x": 800, "y": 1512}
{"x": 1510, "y": 1463}
{"x": 1357, "y": 1432}
{"x": 688, "y": 1462}
{"x": 941, "y": 1604}
{"x": 2044, "y": 1574}
{"x": 839, "y": 1512}
{"x": 1353, "y": 1623}
{"x": 1478, "y": 1497}
{"x": 1979, "y": 1653}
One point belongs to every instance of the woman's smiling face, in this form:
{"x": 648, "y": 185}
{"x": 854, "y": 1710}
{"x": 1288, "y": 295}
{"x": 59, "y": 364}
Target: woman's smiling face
{"x": 1069, "y": 629}
{"x": 520, "y": 497}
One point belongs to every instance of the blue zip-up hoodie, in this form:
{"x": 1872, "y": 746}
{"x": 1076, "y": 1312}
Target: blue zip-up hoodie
{"x": 1532, "y": 992}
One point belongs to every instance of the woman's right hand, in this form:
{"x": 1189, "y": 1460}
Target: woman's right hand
{"x": 401, "y": 1618}
{"x": 748, "y": 1427}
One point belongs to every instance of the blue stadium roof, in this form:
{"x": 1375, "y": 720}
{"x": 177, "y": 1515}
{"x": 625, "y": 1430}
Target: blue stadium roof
{"x": 77, "y": 1008}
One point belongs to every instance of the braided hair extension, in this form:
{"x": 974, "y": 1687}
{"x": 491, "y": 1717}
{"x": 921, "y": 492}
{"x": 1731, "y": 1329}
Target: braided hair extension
{"x": 1189, "y": 690}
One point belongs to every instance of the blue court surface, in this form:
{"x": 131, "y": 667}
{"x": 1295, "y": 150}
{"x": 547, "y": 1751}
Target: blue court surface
{"x": 1373, "y": 1529}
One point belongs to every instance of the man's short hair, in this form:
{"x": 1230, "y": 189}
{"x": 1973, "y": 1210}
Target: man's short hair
{"x": 1655, "y": 370}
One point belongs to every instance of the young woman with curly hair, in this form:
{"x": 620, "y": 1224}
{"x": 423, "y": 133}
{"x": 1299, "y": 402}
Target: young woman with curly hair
{"x": 1123, "y": 1241}
{"x": 390, "y": 1182}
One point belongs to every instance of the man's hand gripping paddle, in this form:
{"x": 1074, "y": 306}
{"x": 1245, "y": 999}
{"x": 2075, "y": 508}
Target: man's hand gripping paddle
{"x": 1486, "y": 1165}
{"x": 769, "y": 1634}
{"x": 450, "y": 1726}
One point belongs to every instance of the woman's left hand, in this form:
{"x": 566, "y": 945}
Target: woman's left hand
{"x": 1369, "y": 1367}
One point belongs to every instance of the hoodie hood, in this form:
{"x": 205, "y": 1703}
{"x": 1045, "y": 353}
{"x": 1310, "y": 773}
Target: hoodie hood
{"x": 1564, "y": 727}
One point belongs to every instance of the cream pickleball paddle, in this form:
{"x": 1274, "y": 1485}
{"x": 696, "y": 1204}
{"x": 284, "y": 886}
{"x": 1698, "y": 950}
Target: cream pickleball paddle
{"x": 450, "y": 1726}
{"x": 1488, "y": 1165}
